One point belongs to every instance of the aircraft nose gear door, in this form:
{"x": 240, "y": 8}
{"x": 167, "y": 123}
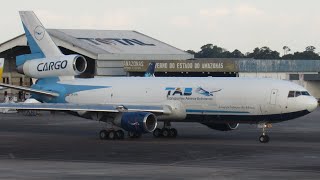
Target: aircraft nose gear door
{"x": 273, "y": 96}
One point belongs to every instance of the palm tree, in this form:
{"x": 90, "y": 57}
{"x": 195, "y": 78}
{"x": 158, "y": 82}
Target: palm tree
{"x": 286, "y": 49}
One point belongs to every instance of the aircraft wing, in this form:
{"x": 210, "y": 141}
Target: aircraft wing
{"x": 86, "y": 107}
{"x": 22, "y": 88}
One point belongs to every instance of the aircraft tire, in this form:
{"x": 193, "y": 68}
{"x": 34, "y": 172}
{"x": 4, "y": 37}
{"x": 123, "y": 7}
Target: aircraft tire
{"x": 112, "y": 135}
{"x": 165, "y": 132}
{"x": 173, "y": 132}
{"x": 131, "y": 134}
{"x": 120, "y": 134}
{"x": 264, "y": 138}
{"x": 268, "y": 138}
{"x": 103, "y": 134}
{"x": 157, "y": 133}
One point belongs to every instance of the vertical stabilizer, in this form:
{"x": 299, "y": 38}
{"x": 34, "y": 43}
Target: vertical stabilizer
{"x": 39, "y": 40}
{"x": 150, "y": 70}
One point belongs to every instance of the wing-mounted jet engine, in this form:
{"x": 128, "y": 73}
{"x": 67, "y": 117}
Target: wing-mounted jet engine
{"x": 136, "y": 123}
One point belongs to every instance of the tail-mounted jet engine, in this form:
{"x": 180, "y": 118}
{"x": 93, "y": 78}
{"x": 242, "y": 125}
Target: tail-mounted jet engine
{"x": 139, "y": 122}
{"x": 69, "y": 65}
{"x": 222, "y": 126}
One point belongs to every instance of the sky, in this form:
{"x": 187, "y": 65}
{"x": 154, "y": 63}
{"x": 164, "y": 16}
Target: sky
{"x": 185, "y": 24}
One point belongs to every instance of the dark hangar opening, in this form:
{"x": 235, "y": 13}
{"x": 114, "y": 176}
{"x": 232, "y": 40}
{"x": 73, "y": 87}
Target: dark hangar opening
{"x": 91, "y": 63}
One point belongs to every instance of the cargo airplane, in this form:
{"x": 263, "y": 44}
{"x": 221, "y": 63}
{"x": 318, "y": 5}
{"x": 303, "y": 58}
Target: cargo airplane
{"x": 136, "y": 104}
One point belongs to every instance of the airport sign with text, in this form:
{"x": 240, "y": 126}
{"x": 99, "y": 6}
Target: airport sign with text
{"x": 182, "y": 66}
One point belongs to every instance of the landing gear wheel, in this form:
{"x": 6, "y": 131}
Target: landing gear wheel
{"x": 165, "y": 132}
{"x": 264, "y": 138}
{"x": 173, "y": 132}
{"x": 112, "y": 135}
{"x": 131, "y": 134}
{"x": 157, "y": 132}
{"x": 120, "y": 134}
{"x": 103, "y": 134}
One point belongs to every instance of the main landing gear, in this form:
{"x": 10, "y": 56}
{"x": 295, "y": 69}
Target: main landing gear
{"x": 264, "y": 138}
{"x": 111, "y": 134}
{"x": 166, "y": 131}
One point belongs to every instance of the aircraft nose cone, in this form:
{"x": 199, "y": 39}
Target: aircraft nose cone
{"x": 312, "y": 104}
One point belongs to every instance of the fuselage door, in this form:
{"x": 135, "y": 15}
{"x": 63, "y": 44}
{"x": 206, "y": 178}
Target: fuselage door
{"x": 273, "y": 96}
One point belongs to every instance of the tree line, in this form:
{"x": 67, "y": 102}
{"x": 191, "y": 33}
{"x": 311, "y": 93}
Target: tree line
{"x": 213, "y": 51}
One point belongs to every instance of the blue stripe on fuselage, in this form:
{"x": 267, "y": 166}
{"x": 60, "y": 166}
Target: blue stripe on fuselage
{"x": 50, "y": 84}
{"x": 196, "y": 111}
{"x": 77, "y": 88}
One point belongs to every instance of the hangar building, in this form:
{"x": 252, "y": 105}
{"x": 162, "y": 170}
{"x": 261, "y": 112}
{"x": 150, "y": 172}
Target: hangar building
{"x": 105, "y": 51}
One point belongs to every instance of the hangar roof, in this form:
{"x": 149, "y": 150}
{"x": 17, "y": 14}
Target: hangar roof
{"x": 108, "y": 44}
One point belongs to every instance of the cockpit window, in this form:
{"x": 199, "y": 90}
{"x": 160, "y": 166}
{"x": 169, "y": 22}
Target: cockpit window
{"x": 291, "y": 94}
{"x": 305, "y": 93}
{"x": 298, "y": 93}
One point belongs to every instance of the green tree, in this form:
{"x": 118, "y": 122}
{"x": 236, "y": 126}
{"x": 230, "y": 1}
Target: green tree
{"x": 211, "y": 51}
{"x": 310, "y": 48}
{"x": 237, "y": 54}
{"x": 191, "y": 52}
{"x": 264, "y": 53}
{"x": 286, "y": 49}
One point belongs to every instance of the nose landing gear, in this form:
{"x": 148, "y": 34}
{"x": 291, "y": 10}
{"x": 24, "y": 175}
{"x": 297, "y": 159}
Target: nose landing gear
{"x": 264, "y": 138}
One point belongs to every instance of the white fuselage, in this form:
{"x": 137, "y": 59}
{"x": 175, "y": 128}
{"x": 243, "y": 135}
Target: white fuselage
{"x": 216, "y": 97}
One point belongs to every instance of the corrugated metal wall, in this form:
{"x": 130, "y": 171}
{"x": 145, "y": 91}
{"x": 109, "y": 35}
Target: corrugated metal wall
{"x": 258, "y": 65}
{"x": 110, "y": 68}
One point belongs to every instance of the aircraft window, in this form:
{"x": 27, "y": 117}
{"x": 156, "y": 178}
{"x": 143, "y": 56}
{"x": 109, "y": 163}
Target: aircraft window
{"x": 291, "y": 94}
{"x": 298, "y": 93}
{"x": 305, "y": 93}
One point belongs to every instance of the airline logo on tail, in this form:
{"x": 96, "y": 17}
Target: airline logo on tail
{"x": 39, "y": 32}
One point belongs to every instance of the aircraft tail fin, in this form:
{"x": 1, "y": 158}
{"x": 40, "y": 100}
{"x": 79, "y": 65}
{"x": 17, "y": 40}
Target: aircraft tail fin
{"x": 39, "y": 41}
{"x": 150, "y": 70}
